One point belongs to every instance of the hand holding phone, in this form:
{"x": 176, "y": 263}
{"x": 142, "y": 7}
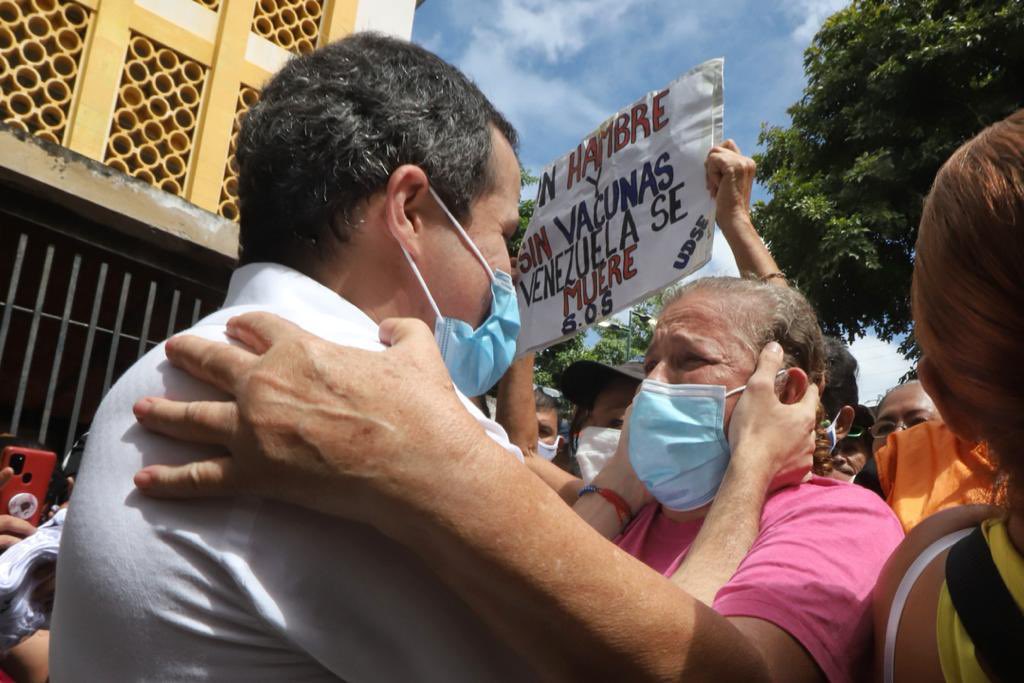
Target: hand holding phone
{"x": 13, "y": 530}
{"x": 24, "y": 494}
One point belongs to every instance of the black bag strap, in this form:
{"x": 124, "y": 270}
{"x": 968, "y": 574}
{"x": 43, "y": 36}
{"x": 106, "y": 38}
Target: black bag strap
{"x": 985, "y": 606}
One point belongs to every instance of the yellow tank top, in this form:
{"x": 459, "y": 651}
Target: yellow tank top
{"x": 956, "y": 651}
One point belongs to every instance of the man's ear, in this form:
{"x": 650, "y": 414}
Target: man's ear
{"x": 845, "y": 421}
{"x": 796, "y": 383}
{"x": 407, "y": 202}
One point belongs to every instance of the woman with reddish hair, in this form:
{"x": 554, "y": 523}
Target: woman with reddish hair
{"x": 950, "y": 602}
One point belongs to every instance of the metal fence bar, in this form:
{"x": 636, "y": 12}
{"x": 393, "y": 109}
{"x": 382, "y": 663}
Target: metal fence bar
{"x": 172, "y": 319}
{"x": 115, "y": 340}
{"x": 146, "y": 320}
{"x": 157, "y": 263}
{"x": 51, "y": 389}
{"x": 30, "y": 346}
{"x": 12, "y": 291}
{"x": 77, "y": 323}
{"x": 195, "y": 311}
{"x": 84, "y": 371}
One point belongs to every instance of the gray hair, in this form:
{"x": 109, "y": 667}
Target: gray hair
{"x": 766, "y": 313}
{"x": 908, "y": 383}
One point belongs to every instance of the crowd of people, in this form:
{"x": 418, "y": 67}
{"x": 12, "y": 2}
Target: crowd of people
{"x": 301, "y": 487}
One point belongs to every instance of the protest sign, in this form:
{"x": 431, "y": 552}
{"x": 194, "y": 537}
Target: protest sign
{"x": 624, "y": 214}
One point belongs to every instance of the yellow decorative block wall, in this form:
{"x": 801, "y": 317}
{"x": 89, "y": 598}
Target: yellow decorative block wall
{"x": 40, "y": 53}
{"x": 154, "y": 88}
{"x": 291, "y": 24}
{"x": 151, "y": 135}
{"x": 229, "y": 188}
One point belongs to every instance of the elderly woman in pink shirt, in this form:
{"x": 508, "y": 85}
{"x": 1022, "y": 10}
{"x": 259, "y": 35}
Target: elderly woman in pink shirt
{"x": 799, "y": 555}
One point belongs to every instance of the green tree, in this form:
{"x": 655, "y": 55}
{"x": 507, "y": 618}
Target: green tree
{"x": 627, "y": 340}
{"x": 525, "y": 210}
{"x": 549, "y": 363}
{"x": 893, "y": 88}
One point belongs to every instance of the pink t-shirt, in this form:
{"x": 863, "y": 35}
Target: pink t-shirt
{"x": 810, "y": 572}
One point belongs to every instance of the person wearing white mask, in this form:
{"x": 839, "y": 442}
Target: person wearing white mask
{"x": 548, "y": 420}
{"x": 601, "y": 394}
{"x": 376, "y": 181}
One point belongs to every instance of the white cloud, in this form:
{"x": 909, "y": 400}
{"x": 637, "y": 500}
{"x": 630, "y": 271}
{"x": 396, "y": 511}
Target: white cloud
{"x": 558, "y": 29}
{"x": 534, "y": 59}
{"x": 881, "y": 366}
{"x": 532, "y": 100}
{"x": 811, "y": 14}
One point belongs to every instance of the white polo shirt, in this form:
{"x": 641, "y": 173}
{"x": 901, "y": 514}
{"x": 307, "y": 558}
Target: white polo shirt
{"x": 246, "y": 589}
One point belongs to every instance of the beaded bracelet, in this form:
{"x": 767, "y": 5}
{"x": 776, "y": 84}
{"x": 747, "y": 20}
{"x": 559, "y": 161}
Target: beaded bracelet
{"x": 622, "y": 508}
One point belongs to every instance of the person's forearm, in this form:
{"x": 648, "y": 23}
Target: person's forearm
{"x": 751, "y": 254}
{"x": 601, "y": 514}
{"x": 569, "y": 601}
{"x": 516, "y": 410}
{"x": 561, "y": 482}
{"x": 728, "y": 532}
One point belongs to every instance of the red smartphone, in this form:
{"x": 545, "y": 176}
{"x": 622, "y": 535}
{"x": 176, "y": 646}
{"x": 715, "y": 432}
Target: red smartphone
{"x": 24, "y": 496}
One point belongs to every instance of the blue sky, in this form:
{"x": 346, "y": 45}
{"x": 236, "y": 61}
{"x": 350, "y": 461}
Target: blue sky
{"x": 557, "y": 68}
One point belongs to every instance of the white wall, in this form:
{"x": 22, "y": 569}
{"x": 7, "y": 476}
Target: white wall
{"x": 387, "y": 16}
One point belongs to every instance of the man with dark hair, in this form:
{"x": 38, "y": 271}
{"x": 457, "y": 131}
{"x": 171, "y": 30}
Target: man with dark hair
{"x": 841, "y": 387}
{"x": 376, "y": 181}
{"x": 332, "y": 127}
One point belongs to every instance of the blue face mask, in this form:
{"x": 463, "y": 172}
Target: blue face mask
{"x": 476, "y": 359}
{"x": 677, "y": 441}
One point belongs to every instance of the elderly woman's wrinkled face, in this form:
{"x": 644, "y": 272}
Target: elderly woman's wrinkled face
{"x": 695, "y": 343}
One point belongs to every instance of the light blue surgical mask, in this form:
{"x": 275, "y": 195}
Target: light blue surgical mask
{"x": 476, "y": 359}
{"x": 677, "y": 443}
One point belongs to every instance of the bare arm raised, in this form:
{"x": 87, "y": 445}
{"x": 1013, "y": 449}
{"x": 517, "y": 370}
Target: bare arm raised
{"x": 730, "y": 179}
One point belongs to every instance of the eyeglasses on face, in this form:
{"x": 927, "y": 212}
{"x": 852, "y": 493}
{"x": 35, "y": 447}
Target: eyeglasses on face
{"x": 882, "y": 429}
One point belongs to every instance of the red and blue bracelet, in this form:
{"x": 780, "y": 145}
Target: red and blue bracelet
{"x": 622, "y": 508}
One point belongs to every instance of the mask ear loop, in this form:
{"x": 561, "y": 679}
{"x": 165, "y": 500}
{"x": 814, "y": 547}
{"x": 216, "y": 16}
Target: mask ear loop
{"x": 830, "y": 430}
{"x": 737, "y": 390}
{"x": 423, "y": 284}
{"x": 462, "y": 233}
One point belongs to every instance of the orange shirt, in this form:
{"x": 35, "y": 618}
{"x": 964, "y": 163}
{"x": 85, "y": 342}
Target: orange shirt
{"x": 925, "y": 469}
